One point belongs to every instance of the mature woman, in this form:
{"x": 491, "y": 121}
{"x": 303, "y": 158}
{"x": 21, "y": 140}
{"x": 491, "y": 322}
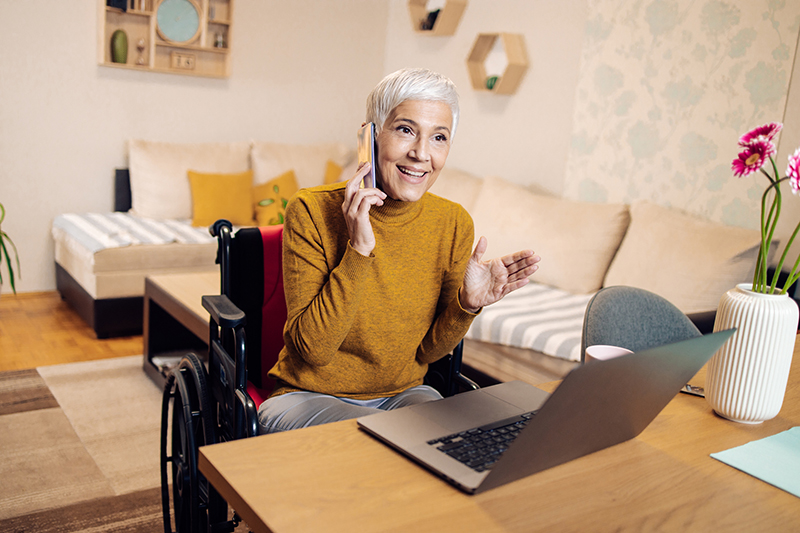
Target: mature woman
{"x": 380, "y": 282}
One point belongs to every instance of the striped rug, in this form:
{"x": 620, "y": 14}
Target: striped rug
{"x": 80, "y": 448}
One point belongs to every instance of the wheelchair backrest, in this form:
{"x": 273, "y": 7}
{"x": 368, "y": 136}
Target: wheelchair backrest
{"x": 256, "y": 287}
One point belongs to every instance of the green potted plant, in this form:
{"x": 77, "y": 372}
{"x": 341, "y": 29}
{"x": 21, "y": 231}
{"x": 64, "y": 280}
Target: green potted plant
{"x": 5, "y": 244}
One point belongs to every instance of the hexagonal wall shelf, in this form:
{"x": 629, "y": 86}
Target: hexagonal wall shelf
{"x": 507, "y": 81}
{"x": 443, "y": 21}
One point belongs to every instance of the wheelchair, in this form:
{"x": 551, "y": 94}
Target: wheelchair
{"x": 206, "y": 402}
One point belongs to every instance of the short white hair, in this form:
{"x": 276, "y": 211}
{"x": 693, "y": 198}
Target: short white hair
{"x": 410, "y": 84}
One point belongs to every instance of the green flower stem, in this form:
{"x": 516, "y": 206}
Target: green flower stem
{"x": 760, "y": 274}
{"x": 777, "y": 201}
{"x": 794, "y": 274}
{"x": 776, "y": 205}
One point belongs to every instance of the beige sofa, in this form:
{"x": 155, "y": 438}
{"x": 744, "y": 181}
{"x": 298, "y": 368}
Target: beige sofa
{"x": 583, "y": 246}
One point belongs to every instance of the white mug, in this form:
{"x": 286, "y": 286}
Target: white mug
{"x": 603, "y": 352}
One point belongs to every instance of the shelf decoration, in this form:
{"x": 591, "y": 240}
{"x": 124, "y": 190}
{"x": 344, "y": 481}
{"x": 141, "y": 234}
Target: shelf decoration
{"x": 190, "y": 37}
{"x": 505, "y": 82}
{"x": 439, "y": 21}
{"x": 119, "y": 47}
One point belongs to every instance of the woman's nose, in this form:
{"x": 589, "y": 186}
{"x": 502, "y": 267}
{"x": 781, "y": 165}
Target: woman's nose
{"x": 420, "y": 150}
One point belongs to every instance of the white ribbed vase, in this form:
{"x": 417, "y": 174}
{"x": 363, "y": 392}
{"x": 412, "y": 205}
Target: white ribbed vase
{"x": 746, "y": 378}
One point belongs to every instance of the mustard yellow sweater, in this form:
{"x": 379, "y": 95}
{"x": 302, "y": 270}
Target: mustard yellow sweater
{"x": 367, "y": 327}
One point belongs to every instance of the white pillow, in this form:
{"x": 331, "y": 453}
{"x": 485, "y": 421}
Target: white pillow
{"x": 576, "y": 240}
{"x": 458, "y": 186}
{"x": 158, "y": 173}
{"x": 689, "y": 261}
{"x": 308, "y": 161}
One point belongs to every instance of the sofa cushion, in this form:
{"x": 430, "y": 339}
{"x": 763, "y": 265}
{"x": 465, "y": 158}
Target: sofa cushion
{"x": 689, "y": 261}
{"x": 309, "y": 162}
{"x": 458, "y": 186}
{"x": 333, "y": 172}
{"x": 576, "y": 240}
{"x": 158, "y": 173}
{"x": 218, "y": 195}
{"x": 274, "y": 194}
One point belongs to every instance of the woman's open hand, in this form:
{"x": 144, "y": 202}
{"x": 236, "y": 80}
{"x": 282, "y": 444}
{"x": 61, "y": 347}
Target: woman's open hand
{"x": 486, "y": 282}
{"x": 357, "y": 203}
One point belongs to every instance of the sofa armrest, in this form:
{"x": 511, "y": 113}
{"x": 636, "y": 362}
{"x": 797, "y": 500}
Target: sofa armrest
{"x": 704, "y": 320}
{"x": 122, "y": 190}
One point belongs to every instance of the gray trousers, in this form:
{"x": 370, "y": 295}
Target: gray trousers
{"x": 301, "y": 409}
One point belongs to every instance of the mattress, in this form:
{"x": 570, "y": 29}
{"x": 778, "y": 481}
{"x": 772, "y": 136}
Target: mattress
{"x": 536, "y": 317}
{"x": 111, "y": 254}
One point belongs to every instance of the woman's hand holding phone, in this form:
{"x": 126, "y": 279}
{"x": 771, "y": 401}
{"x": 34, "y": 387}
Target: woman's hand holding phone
{"x": 357, "y": 203}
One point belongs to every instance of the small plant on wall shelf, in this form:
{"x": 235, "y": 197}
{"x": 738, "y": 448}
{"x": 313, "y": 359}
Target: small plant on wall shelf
{"x": 5, "y": 244}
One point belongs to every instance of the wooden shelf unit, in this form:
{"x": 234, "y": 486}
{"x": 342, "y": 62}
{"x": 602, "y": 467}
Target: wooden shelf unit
{"x": 446, "y": 22}
{"x": 199, "y": 57}
{"x": 509, "y": 80}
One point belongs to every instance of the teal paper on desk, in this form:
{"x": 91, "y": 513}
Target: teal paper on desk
{"x": 774, "y": 459}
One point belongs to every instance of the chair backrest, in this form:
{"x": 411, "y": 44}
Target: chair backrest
{"x": 256, "y": 287}
{"x": 633, "y": 318}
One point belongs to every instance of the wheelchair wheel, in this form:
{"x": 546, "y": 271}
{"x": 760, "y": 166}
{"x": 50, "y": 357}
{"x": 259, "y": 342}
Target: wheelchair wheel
{"x": 196, "y": 504}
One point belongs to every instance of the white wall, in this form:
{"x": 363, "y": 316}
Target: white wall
{"x": 523, "y": 137}
{"x": 300, "y": 73}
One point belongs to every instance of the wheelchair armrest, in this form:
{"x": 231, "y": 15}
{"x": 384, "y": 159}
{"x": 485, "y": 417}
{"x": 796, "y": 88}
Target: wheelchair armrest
{"x": 250, "y": 413}
{"x": 465, "y": 382}
{"x": 223, "y": 312}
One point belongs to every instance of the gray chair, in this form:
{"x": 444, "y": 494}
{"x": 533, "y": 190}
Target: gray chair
{"x": 633, "y": 318}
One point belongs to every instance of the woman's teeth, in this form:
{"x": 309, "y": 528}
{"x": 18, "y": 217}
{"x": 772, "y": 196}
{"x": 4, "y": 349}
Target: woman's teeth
{"x": 411, "y": 172}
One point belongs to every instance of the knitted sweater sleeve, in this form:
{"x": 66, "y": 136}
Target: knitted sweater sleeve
{"x": 316, "y": 281}
{"x": 452, "y": 321}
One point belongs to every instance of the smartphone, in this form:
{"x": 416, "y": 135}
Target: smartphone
{"x": 694, "y": 390}
{"x": 366, "y": 152}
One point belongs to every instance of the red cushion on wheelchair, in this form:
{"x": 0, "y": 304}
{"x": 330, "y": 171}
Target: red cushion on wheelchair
{"x": 258, "y": 395}
{"x": 273, "y": 316}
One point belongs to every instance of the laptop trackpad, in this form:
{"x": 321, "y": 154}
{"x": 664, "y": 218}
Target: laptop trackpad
{"x": 472, "y": 409}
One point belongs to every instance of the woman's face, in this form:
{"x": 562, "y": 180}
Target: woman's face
{"x": 412, "y": 148}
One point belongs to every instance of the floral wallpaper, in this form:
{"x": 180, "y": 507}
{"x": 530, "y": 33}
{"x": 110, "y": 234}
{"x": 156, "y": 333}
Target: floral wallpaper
{"x": 666, "y": 89}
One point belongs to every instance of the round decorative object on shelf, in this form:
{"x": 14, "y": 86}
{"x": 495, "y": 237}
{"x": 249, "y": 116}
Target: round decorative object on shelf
{"x": 178, "y": 21}
{"x": 119, "y": 47}
{"x": 747, "y": 377}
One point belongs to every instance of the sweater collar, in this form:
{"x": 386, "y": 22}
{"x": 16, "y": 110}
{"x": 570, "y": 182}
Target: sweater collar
{"x": 397, "y": 212}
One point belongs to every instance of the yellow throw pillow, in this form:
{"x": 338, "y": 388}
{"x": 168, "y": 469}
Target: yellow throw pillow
{"x": 270, "y": 198}
{"x": 333, "y": 172}
{"x": 216, "y": 196}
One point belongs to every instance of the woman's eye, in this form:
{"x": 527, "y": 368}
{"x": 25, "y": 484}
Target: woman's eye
{"x": 404, "y": 129}
{"x": 440, "y": 138}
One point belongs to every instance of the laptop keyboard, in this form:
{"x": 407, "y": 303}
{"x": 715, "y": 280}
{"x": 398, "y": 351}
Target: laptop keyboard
{"x": 480, "y": 448}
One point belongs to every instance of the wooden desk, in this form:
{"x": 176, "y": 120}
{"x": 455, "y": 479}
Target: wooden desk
{"x": 175, "y": 321}
{"x": 338, "y": 478}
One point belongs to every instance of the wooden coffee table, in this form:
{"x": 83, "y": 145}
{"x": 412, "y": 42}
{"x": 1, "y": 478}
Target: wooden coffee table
{"x": 174, "y": 319}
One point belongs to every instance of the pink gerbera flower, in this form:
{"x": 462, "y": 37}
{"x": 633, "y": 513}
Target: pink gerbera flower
{"x": 767, "y": 133}
{"x": 752, "y": 158}
{"x": 793, "y": 171}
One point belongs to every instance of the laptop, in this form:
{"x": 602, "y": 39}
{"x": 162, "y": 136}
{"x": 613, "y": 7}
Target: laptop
{"x": 597, "y": 405}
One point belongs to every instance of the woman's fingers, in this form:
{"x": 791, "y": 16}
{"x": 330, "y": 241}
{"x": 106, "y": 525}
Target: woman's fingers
{"x": 355, "y": 207}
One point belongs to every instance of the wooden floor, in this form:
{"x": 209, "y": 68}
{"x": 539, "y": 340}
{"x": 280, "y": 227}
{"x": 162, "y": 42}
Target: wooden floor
{"x": 39, "y": 329}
